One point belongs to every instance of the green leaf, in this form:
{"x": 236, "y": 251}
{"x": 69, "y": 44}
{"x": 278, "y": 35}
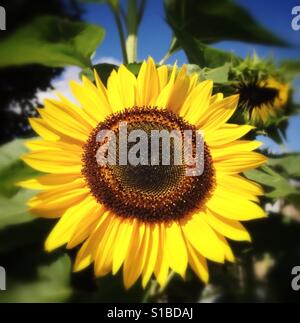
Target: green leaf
{"x": 291, "y": 67}
{"x": 51, "y": 41}
{"x": 50, "y": 284}
{"x": 201, "y": 54}
{"x": 10, "y": 153}
{"x": 108, "y": 289}
{"x": 134, "y": 68}
{"x": 30, "y": 232}
{"x": 287, "y": 164}
{"x": 218, "y": 75}
{"x": 277, "y": 185}
{"x": 14, "y": 209}
{"x": 12, "y": 169}
{"x": 89, "y": 73}
{"x": 216, "y": 20}
{"x": 104, "y": 70}
{"x": 114, "y": 3}
{"x": 12, "y": 198}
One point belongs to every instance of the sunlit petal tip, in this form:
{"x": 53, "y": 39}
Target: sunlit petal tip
{"x": 232, "y": 259}
{"x": 184, "y": 69}
{"x": 74, "y": 86}
{"x": 85, "y": 80}
{"x": 249, "y": 239}
{"x": 209, "y": 83}
{"x": 25, "y": 157}
{"x": 259, "y": 144}
{"x": 21, "y": 184}
{"x": 124, "y": 71}
{"x": 50, "y": 245}
{"x": 234, "y": 99}
{"x": 79, "y": 265}
{"x": 151, "y": 61}
{"x": 97, "y": 77}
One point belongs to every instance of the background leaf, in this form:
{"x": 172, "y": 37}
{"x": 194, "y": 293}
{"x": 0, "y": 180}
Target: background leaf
{"x": 287, "y": 164}
{"x": 279, "y": 187}
{"x": 216, "y": 20}
{"x": 12, "y": 169}
{"x": 291, "y": 67}
{"x": 14, "y": 209}
{"x": 51, "y": 283}
{"x": 104, "y": 70}
{"x": 201, "y": 54}
{"x": 114, "y": 3}
{"x": 51, "y": 41}
{"x": 13, "y": 199}
{"x": 218, "y": 74}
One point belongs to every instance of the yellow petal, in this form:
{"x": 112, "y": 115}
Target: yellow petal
{"x": 43, "y": 129}
{"x": 147, "y": 84}
{"x": 104, "y": 255}
{"x": 163, "y": 75}
{"x": 175, "y": 248}
{"x": 44, "y": 145}
{"x": 198, "y": 263}
{"x": 216, "y": 98}
{"x": 50, "y": 181}
{"x": 227, "y": 250}
{"x": 161, "y": 269}
{"x": 93, "y": 101}
{"x": 86, "y": 254}
{"x": 113, "y": 92}
{"x": 56, "y": 162}
{"x": 239, "y": 162}
{"x": 165, "y": 93}
{"x": 199, "y": 102}
{"x": 121, "y": 88}
{"x": 136, "y": 257}
{"x": 64, "y": 122}
{"x": 236, "y": 147}
{"x": 219, "y": 113}
{"x": 78, "y": 110}
{"x": 228, "y": 133}
{"x": 122, "y": 243}
{"x": 193, "y": 81}
{"x": 152, "y": 254}
{"x": 85, "y": 227}
{"x": 58, "y": 198}
{"x": 203, "y": 238}
{"x": 65, "y": 227}
{"x": 238, "y": 185}
{"x": 178, "y": 94}
{"x": 229, "y": 228}
{"x": 227, "y": 206}
{"x": 75, "y": 113}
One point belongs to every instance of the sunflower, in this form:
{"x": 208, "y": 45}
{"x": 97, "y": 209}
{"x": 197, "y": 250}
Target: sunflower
{"x": 147, "y": 220}
{"x": 262, "y": 100}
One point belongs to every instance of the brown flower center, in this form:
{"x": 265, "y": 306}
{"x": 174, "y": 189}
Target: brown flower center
{"x": 148, "y": 192}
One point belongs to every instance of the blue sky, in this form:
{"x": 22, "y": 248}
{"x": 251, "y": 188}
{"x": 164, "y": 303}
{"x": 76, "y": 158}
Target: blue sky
{"x": 155, "y": 36}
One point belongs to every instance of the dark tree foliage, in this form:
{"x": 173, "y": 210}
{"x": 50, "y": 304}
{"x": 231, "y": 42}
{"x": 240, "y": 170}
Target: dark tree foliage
{"x": 19, "y": 85}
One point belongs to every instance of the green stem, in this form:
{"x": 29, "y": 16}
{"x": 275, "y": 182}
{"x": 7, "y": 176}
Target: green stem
{"x": 169, "y": 279}
{"x": 132, "y": 28}
{"x": 150, "y": 292}
{"x": 165, "y": 58}
{"x": 154, "y": 291}
{"x": 170, "y": 52}
{"x": 131, "y": 46}
{"x": 141, "y": 10}
{"x": 117, "y": 17}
